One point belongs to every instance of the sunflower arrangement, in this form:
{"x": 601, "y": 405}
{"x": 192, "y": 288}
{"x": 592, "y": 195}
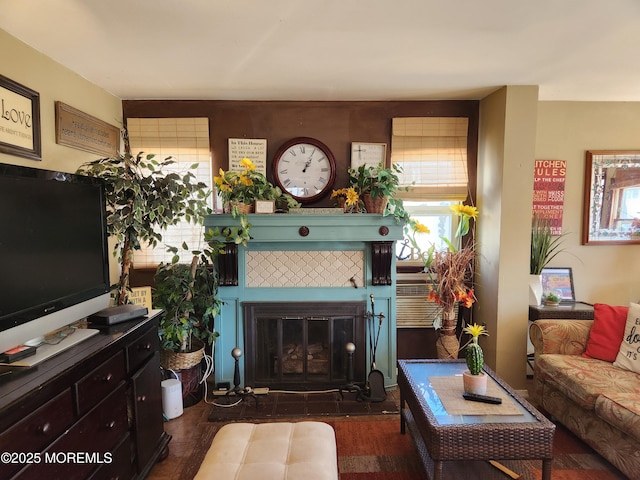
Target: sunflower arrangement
{"x": 347, "y": 198}
{"x": 245, "y": 186}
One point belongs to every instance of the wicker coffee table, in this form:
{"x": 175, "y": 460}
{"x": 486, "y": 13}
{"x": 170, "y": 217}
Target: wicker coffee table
{"x": 444, "y": 440}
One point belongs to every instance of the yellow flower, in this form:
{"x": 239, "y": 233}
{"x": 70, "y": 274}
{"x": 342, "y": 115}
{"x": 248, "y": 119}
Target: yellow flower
{"x": 245, "y": 180}
{"x": 475, "y": 330}
{"x": 247, "y": 164}
{"x": 342, "y": 192}
{"x": 421, "y": 228}
{"x": 465, "y": 211}
{"x": 352, "y": 197}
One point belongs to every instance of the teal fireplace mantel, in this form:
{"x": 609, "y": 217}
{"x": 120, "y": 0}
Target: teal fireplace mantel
{"x": 314, "y": 228}
{"x": 363, "y": 242}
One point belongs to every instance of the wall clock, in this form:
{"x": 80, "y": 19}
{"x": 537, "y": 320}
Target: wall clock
{"x": 304, "y": 168}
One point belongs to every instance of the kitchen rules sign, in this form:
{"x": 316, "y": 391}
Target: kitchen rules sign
{"x": 548, "y": 192}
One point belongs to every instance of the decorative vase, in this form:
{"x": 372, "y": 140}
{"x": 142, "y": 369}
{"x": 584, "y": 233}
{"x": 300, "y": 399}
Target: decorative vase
{"x": 447, "y": 343}
{"x": 474, "y": 383}
{"x": 374, "y": 205}
{"x": 535, "y": 289}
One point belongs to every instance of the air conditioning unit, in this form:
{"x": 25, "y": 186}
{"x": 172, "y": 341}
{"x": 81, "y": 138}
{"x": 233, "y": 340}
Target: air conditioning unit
{"x": 413, "y": 310}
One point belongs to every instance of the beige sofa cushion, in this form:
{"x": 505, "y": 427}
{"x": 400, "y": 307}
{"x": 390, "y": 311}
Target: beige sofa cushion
{"x": 622, "y": 410}
{"x": 584, "y": 379}
{"x": 272, "y": 451}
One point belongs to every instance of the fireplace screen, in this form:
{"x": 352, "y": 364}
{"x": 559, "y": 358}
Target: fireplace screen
{"x": 301, "y": 345}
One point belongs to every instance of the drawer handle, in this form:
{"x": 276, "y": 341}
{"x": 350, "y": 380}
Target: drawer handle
{"x": 145, "y": 348}
{"x": 44, "y": 429}
{"x": 111, "y": 424}
{"x": 107, "y": 378}
{"x": 142, "y": 398}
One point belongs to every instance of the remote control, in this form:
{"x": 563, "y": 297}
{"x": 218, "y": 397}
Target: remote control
{"x": 474, "y": 397}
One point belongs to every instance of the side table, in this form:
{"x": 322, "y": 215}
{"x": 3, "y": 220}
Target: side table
{"x": 576, "y": 311}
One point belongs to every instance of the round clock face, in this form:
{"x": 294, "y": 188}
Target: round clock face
{"x": 304, "y": 168}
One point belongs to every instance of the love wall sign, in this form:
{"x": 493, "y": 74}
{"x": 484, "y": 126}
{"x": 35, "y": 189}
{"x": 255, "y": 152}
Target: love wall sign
{"x": 19, "y": 120}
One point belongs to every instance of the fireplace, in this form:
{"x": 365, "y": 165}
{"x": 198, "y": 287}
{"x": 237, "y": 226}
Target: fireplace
{"x": 308, "y": 276}
{"x": 301, "y": 345}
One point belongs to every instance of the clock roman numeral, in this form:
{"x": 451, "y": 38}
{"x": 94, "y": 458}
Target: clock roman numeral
{"x": 324, "y": 169}
{"x": 292, "y": 152}
{"x": 302, "y": 149}
{"x": 323, "y": 180}
{"x": 284, "y": 171}
{"x": 286, "y": 182}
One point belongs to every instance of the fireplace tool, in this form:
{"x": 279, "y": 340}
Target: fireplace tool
{"x": 237, "y": 390}
{"x": 375, "y": 383}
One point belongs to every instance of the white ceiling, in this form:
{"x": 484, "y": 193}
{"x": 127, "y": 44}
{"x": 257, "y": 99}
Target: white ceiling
{"x": 584, "y": 50}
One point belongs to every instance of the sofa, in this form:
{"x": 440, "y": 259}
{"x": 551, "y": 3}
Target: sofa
{"x": 595, "y": 399}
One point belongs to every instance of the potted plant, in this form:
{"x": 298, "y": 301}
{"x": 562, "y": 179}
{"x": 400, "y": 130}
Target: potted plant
{"x": 142, "y": 199}
{"x": 551, "y": 298}
{"x": 544, "y": 248}
{"x": 187, "y": 294}
{"x": 239, "y": 190}
{"x": 347, "y": 199}
{"x": 474, "y": 379}
{"x": 378, "y": 187}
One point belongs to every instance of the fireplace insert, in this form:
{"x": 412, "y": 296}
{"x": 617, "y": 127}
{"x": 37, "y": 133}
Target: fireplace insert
{"x": 301, "y": 345}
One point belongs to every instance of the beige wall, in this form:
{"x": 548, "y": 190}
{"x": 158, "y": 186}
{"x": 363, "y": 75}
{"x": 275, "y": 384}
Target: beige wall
{"x": 505, "y": 187}
{"x": 53, "y": 82}
{"x": 605, "y": 274}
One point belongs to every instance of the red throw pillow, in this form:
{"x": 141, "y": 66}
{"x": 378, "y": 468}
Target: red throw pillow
{"x": 607, "y": 331}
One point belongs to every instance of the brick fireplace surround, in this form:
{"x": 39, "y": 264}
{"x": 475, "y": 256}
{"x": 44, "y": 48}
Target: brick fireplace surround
{"x": 308, "y": 259}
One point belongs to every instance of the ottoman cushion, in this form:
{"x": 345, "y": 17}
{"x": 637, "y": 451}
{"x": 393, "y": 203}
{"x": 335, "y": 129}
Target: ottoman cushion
{"x": 270, "y": 451}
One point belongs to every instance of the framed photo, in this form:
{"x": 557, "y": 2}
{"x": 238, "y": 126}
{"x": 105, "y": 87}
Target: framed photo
{"x": 264, "y": 206}
{"x": 561, "y": 279}
{"x": 369, "y": 154}
{"x": 19, "y": 120}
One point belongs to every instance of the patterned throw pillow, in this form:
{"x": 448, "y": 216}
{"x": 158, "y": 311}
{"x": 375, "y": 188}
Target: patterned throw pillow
{"x": 629, "y": 354}
{"x": 606, "y": 333}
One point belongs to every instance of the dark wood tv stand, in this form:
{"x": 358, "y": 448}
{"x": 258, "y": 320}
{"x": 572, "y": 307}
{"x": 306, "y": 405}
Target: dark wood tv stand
{"x": 92, "y": 411}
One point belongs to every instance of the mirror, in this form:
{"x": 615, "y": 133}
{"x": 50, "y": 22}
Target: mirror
{"x": 611, "y": 197}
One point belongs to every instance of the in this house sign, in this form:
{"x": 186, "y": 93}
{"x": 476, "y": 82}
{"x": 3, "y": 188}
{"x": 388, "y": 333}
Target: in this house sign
{"x": 19, "y": 120}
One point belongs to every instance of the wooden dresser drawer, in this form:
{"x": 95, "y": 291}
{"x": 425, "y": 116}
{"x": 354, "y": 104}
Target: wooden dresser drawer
{"x": 100, "y": 382}
{"x": 120, "y": 467}
{"x": 91, "y": 439}
{"x": 37, "y": 430}
{"x": 140, "y": 350}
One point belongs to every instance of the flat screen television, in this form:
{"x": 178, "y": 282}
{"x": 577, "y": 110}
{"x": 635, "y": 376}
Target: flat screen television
{"x": 54, "y": 258}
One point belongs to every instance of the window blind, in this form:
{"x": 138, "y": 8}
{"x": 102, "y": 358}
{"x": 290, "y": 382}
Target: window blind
{"x": 186, "y": 140}
{"x": 432, "y": 152}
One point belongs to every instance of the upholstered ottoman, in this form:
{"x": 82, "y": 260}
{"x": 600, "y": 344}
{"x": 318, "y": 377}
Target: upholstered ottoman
{"x": 272, "y": 451}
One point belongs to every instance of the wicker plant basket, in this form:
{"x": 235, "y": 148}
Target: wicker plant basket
{"x": 180, "y": 361}
{"x": 374, "y": 205}
{"x": 242, "y": 207}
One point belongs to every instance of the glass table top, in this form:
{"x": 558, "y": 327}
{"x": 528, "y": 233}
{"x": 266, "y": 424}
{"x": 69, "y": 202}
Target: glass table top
{"x": 418, "y": 373}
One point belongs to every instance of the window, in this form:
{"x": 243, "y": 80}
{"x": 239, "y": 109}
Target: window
{"x": 432, "y": 152}
{"x": 187, "y": 141}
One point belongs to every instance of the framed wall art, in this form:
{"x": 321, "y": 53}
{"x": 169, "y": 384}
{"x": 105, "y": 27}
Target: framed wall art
{"x": 611, "y": 212}
{"x": 369, "y": 154}
{"x": 19, "y": 120}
